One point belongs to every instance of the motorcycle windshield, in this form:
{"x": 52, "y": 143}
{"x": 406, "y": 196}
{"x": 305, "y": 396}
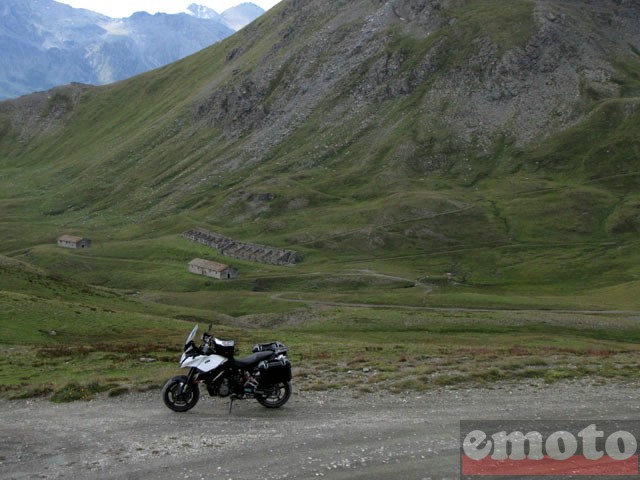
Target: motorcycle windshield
{"x": 192, "y": 335}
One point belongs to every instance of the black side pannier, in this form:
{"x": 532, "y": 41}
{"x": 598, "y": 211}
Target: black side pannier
{"x": 226, "y": 348}
{"x": 275, "y": 347}
{"x": 274, "y": 371}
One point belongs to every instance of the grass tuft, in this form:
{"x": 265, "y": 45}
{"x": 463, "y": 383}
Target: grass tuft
{"x": 73, "y": 392}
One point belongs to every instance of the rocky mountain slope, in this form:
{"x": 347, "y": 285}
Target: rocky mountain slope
{"x": 46, "y": 43}
{"x": 442, "y": 130}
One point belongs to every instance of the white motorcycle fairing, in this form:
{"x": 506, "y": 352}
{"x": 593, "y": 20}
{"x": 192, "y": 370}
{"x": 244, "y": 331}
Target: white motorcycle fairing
{"x": 204, "y": 363}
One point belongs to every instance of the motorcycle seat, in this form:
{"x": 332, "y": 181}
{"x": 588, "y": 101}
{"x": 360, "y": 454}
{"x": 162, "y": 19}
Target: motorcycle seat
{"x": 252, "y": 360}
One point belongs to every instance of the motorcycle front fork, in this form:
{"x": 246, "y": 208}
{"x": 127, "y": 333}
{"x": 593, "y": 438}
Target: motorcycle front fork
{"x": 191, "y": 377}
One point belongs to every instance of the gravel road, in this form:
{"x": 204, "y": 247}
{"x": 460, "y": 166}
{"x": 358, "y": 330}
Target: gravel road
{"x": 330, "y": 434}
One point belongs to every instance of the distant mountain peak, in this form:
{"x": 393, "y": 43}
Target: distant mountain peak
{"x": 45, "y": 43}
{"x": 202, "y": 11}
{"x": 235, "y": 17}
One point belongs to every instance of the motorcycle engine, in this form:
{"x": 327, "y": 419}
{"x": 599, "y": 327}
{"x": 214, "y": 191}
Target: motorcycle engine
{"x": 220, "y": 389}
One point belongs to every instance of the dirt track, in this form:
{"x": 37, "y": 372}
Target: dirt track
{"x": 330, "y": 435}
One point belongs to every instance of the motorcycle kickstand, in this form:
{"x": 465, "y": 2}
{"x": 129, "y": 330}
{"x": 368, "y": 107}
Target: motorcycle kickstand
{"x": 231, "y": 404}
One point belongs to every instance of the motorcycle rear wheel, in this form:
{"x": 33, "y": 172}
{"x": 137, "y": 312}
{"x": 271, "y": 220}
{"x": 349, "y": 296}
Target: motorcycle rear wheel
{"x": 180, "y": 402}
{"x": 275, "y": 395}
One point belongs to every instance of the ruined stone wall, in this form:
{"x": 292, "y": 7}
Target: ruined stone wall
{"x": 242, "y": 250}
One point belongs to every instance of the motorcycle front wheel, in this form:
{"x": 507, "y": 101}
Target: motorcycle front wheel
{"x": 179, "y": 396}
{"x": 275, "y": 396}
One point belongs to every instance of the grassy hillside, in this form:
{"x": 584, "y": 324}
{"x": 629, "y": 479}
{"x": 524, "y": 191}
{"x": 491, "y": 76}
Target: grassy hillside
{"x": 422, "y": 156}
{"x": 358, "y": 160}
{"x": 565, "y": 229}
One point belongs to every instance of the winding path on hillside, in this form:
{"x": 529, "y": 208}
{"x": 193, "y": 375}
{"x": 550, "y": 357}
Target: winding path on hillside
{"x": 323, "y": 303}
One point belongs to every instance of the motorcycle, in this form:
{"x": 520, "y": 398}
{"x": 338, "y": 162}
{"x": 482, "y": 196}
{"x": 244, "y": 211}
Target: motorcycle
{"x": 265, "y": 375}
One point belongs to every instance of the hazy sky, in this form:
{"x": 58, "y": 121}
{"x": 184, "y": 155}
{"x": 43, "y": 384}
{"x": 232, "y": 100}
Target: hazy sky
{"x": 124, "y": 8}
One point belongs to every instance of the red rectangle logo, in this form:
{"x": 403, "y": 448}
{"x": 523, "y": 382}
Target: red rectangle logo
{"x": 577, "y": 465}
{"x": 597, "y": 449}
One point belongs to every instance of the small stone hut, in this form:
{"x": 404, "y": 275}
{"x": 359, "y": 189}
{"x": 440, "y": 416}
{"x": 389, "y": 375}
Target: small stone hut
{"x": 212, "y": 269}
{"x": 71, "y": 241}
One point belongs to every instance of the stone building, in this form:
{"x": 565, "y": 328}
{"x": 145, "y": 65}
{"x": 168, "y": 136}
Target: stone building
{"x": 243, "y": 250}
{"x": 209, "y": 268}
{"x": 71, "y": 241}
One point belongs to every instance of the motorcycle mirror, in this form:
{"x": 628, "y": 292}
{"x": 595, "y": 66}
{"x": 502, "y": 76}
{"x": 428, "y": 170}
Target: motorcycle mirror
{"x": 209, "y": 328}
